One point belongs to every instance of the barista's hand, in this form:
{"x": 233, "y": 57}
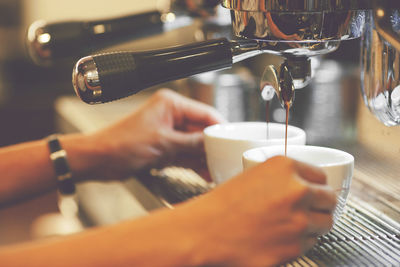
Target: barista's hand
{"x": 167, "y": 129}
{"x": 266, "y": 215}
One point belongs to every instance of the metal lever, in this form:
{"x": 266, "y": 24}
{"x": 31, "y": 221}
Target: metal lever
{"x": 106, "y": 77}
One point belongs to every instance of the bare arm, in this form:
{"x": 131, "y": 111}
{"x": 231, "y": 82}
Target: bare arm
{"x": 26, "y": 169}
{"x": 162, "y": 239}
{"x": 167, "y": 129}
{"x": 247, "y": 221}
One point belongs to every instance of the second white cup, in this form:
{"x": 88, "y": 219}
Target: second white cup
{"x": 338, "y": 165}
{"x": 225, "y": 144}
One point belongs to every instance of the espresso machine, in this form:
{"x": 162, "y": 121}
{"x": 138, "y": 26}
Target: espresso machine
{"x": 295, "y": 30}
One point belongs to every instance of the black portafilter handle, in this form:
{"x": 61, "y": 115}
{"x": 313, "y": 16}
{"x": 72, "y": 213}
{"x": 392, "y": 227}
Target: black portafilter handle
{"x": 106, "y": 77}
{"x": 48, "y": 42}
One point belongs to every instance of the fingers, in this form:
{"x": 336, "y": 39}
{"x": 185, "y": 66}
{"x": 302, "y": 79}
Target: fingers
{"x": 308, "y": 243}
{"x": 321, "y": 199}
{"x": 305, "y": 171}
{"x": 194, "y": 112}
{"x": 320, "y": 204}
{"x": 310, "y": 173}
{"x": 187, "y": 142}
{"x": 189, "y": 152}
{"x": 200, "y": 112}
{"x": 319, "y": 223}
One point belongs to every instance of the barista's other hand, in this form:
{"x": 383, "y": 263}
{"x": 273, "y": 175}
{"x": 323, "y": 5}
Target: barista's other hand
{"x": 266, "y": 215}
{"x": 167, "y": 129}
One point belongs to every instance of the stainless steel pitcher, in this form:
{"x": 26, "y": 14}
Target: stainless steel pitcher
{"x": 380, "y": 65}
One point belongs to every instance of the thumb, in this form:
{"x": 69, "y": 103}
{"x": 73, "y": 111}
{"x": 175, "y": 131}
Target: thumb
{"x": 188, "y": 142}
{"x": 190, "y": 153}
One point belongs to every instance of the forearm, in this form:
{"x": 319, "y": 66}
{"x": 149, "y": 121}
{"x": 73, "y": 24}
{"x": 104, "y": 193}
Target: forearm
{"x": 26, "y": 169}
{"x": 166, "y": 238}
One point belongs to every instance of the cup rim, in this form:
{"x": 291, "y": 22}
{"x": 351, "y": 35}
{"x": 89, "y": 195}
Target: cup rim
{"x": 210, "y": 130}
{"x": 347, "y": 157}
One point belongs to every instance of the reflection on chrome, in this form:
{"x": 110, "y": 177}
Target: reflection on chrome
{"x": 298, "y": 28}
{"x": 37, "y": 43}
{"x": 303, "y": 27}
{"x": 380, "y": 73}
{"x": 269, "y": 83}
{"x": 296, "y": 5}
{"x": 85, "y": 79}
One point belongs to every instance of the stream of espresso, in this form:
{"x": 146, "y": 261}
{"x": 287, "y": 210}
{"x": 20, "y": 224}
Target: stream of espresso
{"x": 287, "y": 97}
{"x": 267, "y": 103}
{"x": 283, "y": 87}
{"x": 287, "y": 106}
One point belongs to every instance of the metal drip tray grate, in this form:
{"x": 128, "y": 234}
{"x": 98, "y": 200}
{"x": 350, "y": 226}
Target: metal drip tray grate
{"x": 362, "y": 236}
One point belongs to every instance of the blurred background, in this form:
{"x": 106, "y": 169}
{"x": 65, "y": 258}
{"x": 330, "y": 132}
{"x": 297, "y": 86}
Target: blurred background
{"x": 27, "y": 92}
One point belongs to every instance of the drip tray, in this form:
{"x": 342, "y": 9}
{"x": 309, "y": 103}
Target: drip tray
{"x": 363, "y": 236}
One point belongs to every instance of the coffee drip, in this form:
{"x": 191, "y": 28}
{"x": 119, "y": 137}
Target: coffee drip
{"x": 280, "y": 82}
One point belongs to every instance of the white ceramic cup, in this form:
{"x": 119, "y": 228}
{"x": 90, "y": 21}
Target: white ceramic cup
{"x": 337, "y": 165}
{"x": 225, "y": 144}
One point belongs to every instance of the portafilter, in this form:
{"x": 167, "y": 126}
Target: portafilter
{"x": 295, "y": 29}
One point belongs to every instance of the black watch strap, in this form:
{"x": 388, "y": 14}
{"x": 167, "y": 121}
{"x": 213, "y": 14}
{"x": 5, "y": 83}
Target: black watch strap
{"x": 58, "y": 156}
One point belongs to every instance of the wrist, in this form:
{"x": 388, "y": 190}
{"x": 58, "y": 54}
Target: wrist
{"x": 86, "y": 157}
{"x": 62, "y": 171}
